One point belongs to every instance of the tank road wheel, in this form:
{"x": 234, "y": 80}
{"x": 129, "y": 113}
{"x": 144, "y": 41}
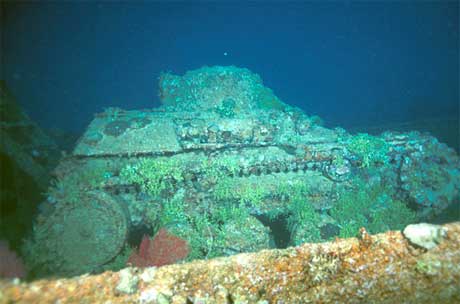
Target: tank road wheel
{"x": 80, "y": 237}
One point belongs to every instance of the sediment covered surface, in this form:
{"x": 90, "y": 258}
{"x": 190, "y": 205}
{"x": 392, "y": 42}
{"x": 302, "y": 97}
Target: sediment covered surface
{"x": 383, "y": 268}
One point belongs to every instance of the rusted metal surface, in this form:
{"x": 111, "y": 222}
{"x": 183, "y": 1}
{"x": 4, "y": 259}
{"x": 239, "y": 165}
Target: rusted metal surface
{"x": 382, "y": 268}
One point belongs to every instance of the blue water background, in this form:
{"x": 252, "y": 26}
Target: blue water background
{"x": 360, "y": 65}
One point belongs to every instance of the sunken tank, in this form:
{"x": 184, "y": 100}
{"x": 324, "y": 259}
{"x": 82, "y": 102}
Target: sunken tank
{"x": 226, "y": 165}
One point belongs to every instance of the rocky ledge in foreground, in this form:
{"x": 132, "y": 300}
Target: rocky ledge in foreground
{"x": 420, "y": 266}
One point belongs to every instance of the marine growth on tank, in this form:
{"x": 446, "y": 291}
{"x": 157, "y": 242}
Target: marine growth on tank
{"x": 225, "y": 167}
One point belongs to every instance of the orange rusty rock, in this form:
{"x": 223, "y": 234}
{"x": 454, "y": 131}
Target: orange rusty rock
{"x": 386, "y": 270}
{"x": 365, "y": 240}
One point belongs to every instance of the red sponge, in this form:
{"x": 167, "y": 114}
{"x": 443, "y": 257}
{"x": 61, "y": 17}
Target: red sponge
{"x": 165, "y": 248}
{"x": 11, "y": 265}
